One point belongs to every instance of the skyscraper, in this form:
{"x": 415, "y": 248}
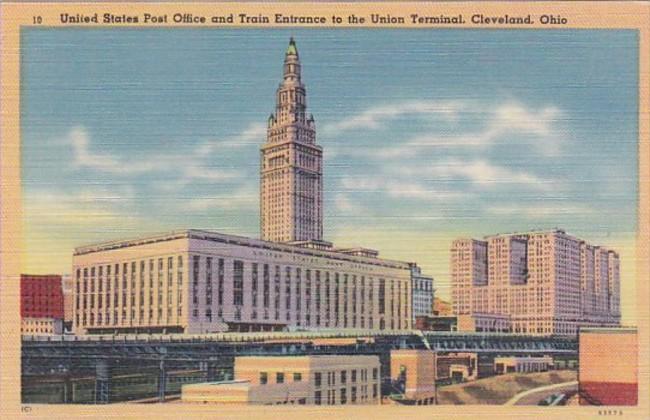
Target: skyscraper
{"x": 291, "y": 180}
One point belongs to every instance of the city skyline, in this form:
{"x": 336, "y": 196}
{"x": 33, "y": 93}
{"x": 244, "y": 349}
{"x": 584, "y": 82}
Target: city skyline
{"x": 468, "y": 151}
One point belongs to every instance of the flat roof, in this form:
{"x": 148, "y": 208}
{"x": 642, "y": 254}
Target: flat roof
{"x": 237, "y": 240}
{"x": 559, "y": 231}
{"x": 304, "y": 356}
{"x": 529, "y": 232}
{"x": 237, "y": 383}
{"x": 608, "y": 330}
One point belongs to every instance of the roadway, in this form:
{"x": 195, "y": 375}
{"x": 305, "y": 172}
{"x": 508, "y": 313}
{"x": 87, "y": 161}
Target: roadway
{"x": 535, "y": 395}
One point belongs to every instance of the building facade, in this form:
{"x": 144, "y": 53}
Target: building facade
{"x": 67, "y": 284}
{"x": 484, "y": 322}
{"x": 545, "y": 282}
{"x": 436, "y": 323}
{"x": 413, "y": 377}
{"x": 41, "y": 326}
{"x": 513, "y": 364}
{"x": 442, "y": 307}
{"x": 199, "y": 281}
{"x": 468, "y": 269}
{"x": 303, "y": 380}
{"x": 291, "y": 184}
{"x": 422, "y": 293}
{"x": 456, "y": 367}
{"x": 41, "y": 296}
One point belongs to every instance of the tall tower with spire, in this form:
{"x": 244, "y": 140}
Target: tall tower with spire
{"x": 291, "y": 167}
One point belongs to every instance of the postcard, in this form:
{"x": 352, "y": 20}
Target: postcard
{"x": 368, "y": 210}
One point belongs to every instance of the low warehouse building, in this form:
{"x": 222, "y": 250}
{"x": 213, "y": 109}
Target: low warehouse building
{"x": 522, "y": 364}
{"x": 317, "y": 380}
{"x": 456, "y": 367}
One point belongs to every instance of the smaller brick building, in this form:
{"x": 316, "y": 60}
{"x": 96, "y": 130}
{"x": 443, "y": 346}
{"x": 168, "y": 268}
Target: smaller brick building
{"x": 41, "y": 296}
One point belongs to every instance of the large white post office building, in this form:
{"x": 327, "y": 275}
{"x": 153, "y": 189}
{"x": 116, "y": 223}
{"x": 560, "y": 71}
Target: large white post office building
{"x": 199, "y": 281}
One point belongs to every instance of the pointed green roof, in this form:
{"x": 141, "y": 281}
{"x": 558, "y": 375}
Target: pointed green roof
{"x": 292, "y": 50}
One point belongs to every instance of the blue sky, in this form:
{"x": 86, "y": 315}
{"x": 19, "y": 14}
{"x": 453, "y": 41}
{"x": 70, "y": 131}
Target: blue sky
{"x": 427, "y": 134}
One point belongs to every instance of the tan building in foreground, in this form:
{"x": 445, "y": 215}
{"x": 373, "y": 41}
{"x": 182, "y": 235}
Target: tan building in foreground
{"x": 608, "y": 372}
{"x": 413, "y": 376}
{"x": 313, "y": 380}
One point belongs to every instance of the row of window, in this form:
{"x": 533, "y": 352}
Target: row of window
{"x": 362, "y": 374}
{"x": 264, "y": 277}
{"x": 36, "y": 330}
{"x": 142, "y": 274}
{"x": 158, "y": 317}
{"x": 343, "y": 395}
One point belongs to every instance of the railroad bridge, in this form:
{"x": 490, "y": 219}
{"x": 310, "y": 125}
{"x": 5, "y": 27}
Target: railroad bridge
{"x": 101, "y": 359}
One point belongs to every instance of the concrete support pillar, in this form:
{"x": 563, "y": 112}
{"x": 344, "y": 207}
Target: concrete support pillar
{"x": 102, "y": 381}
{"x": 68, "y": 396}
{"x": 211, "y": 372}
{"x": 208, "y": 371}
{"x": 162, "y": 381}
{"x": 402, "y": 343}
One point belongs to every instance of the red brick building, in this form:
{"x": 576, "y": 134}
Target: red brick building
{"x": 41, "y": 296}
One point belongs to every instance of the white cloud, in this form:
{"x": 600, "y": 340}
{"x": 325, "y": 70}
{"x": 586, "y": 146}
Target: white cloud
{"x": 344, "y": 204}
{"x": 514, "y": 116}
{"x": 377, "y": 116}
{"x": 201, "y": 172}
{"x": 408, "y": 189}
{"x": 84, "y": 157}
{"x": 254, "y": 134}
{"x": 510, "y": 123}
{"x": 537, "y": 211}
{"x": 244, "y": 198}
{"x": 480, "y": 172}
{"x": 193, "y": 167}
{"x": 87, "y": 207}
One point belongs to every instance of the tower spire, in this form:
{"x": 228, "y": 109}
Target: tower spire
{"x": 292, "y": 63}
{"x": 292, "y": 49}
